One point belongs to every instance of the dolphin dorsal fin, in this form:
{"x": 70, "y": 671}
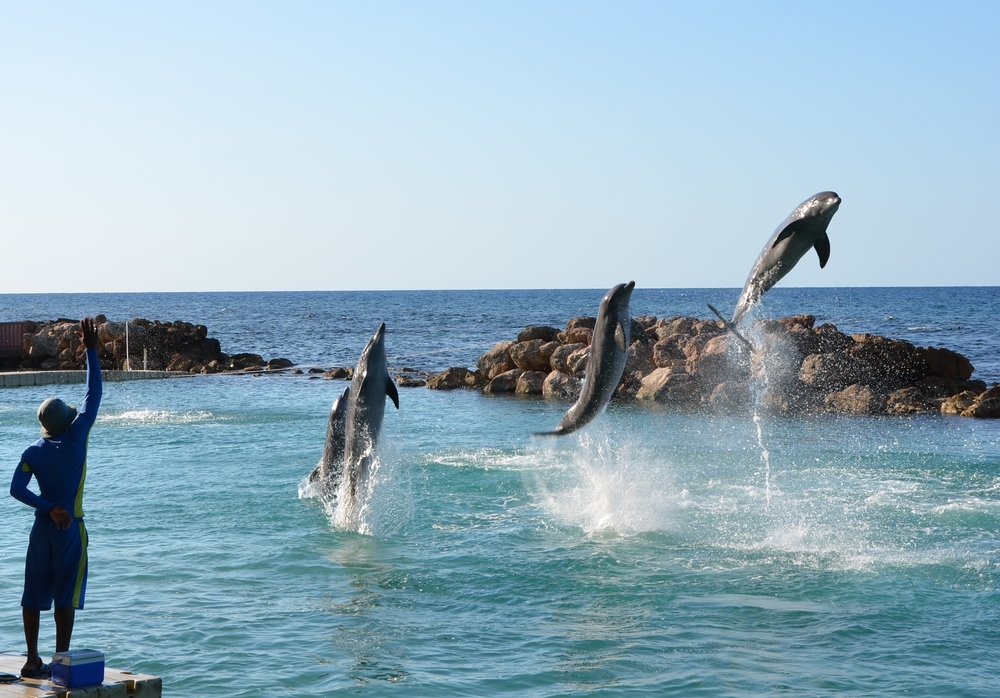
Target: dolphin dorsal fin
{"x": 822, "y": 246}
{"x": 788, "y": 231}
{"x": 390, "y": 390}
{"x": 620, "y": 336}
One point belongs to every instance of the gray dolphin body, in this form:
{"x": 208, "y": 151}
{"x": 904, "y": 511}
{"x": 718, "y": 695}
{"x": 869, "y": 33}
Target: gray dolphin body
{"x": 608, "y": 351}
{"x": 366, "y": 407}
{"x": 331, "y": 467}
{"x": 803, "y": 229}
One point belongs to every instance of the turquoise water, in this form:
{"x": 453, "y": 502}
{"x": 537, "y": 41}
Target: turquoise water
{"x": 653, "y": 553}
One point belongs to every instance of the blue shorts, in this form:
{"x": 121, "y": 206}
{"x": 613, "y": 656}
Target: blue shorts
{"x": 55, "y": 568}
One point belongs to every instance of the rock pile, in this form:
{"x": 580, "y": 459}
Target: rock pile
{"x": 169, "y": 346}
{"x": 693, "y": 363}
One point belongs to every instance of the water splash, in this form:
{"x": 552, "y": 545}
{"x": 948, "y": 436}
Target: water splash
{"x": 765, "y": 455}
{"x": 759, "y": 385}
{"x": 607, "y": 485}
{"x": 381, "y": 504}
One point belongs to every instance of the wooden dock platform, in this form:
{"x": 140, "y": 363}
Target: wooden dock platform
{"x": 117, "y": 684}
{"x": 18, "y": 379}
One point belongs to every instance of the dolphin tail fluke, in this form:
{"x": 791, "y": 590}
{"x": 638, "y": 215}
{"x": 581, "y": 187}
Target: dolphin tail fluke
{"x": 732, "y": 328}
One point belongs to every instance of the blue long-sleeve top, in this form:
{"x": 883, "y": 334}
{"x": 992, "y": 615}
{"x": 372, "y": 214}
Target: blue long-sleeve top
{"x": 60, "y": 464}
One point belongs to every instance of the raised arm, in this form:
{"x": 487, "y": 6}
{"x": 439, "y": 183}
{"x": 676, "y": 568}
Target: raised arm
{"x": 95, "y": 389}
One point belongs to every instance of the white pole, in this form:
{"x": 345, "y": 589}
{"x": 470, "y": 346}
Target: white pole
{"x": 145, "y": 363}
{"x": 126, "y": 346}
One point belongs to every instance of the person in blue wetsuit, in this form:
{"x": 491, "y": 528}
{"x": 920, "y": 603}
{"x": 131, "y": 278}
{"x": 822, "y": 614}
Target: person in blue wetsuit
{"x": 55, "y": 568}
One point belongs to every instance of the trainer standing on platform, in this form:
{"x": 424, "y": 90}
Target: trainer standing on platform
{"x": 55, "y": 568}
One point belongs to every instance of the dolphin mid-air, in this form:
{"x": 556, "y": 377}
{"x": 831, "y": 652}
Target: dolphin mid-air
{"x": 608, "y": 351}
{"x": 804, "y": 228}
{"x": 366, "y": 407}
{"x": 331, "y": 467}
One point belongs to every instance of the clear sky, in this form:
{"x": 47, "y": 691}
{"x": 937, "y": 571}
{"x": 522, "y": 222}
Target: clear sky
{"x": 367, "y": 145}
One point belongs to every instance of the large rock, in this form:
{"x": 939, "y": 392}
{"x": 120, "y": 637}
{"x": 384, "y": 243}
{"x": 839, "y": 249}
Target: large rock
{"x": 559, "y": 386}
{"x": 708, "y": 327}
{"x": 533, "y": 355}
{"x": 957, "y": 404}
{"x": 543, "y": 332}
{"x": 986, "y": 405}
{"x": 854, "y": 399}
{"x": 506, "y": 382}
{"x": 672, "y": 326}
{"x": 237, "y": 362}
{"x": 576, "y": 335}
{"x": 496, "y": 361}
{"x": 451, "y": 378}
{"x": 666, "y": 386}
{"x": 639, "y": 358}
{"x": 936, "y": 386}
{"x": 667, "y": 353}
{"x": 731, "y": 396}
{"x": 910, "y": 401}
{"x": 637, "y": 333}
{"x": 577, "y": 361}
{"x": 559, "y": 361}
{"x": 44, "y": 345}
{"x": 712, "y": 363}
{"x": 530, "y": 383}
{"x": 588, "y": 322}
{"x": 830, "y": 371}
{"x": 947, "y": 363}
{"x": 888, "y": 363}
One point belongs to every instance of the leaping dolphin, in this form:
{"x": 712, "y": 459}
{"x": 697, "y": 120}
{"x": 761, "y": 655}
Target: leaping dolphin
{"x": 608, "y": 351}
{"x": 366, "y": 407}
{"x": 331, "y": 468}
{"x": 804, "y": 228}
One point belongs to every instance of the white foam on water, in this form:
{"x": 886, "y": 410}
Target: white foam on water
{"x": 154, "y": 417}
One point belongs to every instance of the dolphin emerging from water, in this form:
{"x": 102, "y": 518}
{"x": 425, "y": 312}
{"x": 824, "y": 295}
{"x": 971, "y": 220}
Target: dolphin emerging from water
{"x": 608, "y": 351}
{"x": 331, "y": 468}
{"x": 804, "y": 228}
{"x": 365, "y": 408}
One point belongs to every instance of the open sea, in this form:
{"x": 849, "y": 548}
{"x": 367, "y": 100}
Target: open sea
{"x": 653, "y": 553}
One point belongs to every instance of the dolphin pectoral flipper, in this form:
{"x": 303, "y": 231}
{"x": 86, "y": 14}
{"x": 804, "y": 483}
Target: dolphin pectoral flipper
{"x": 390, "y": 390}
{"x": 788, "y": 231}
{"x": 620, "y": 336}
{"x": 823, "y": 249}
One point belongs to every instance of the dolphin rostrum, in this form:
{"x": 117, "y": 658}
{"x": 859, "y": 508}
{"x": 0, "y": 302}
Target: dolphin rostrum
{"x": 366, "y": 407}
{"x": 331, "y": 468}
{"x": 608, "y": 351}
{"x": 804, "y": 228}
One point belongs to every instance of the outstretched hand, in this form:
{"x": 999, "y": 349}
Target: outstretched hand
{"x": 62, "y": 518}
{"x": 88, "y": 332}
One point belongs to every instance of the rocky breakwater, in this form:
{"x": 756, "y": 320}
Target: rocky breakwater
{"x": 692, "y": 363}
{"x": 160, "y": 346}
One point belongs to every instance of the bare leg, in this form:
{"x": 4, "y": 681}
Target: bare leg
{"x": 64, "y": 627}
{"x": 31, "y": 620}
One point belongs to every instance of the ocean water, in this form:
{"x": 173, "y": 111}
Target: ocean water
{"x": 653, "y": 553}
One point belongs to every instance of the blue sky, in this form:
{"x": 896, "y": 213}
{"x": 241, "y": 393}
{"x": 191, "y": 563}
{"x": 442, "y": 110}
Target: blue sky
{"x": 298, "y": 146}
